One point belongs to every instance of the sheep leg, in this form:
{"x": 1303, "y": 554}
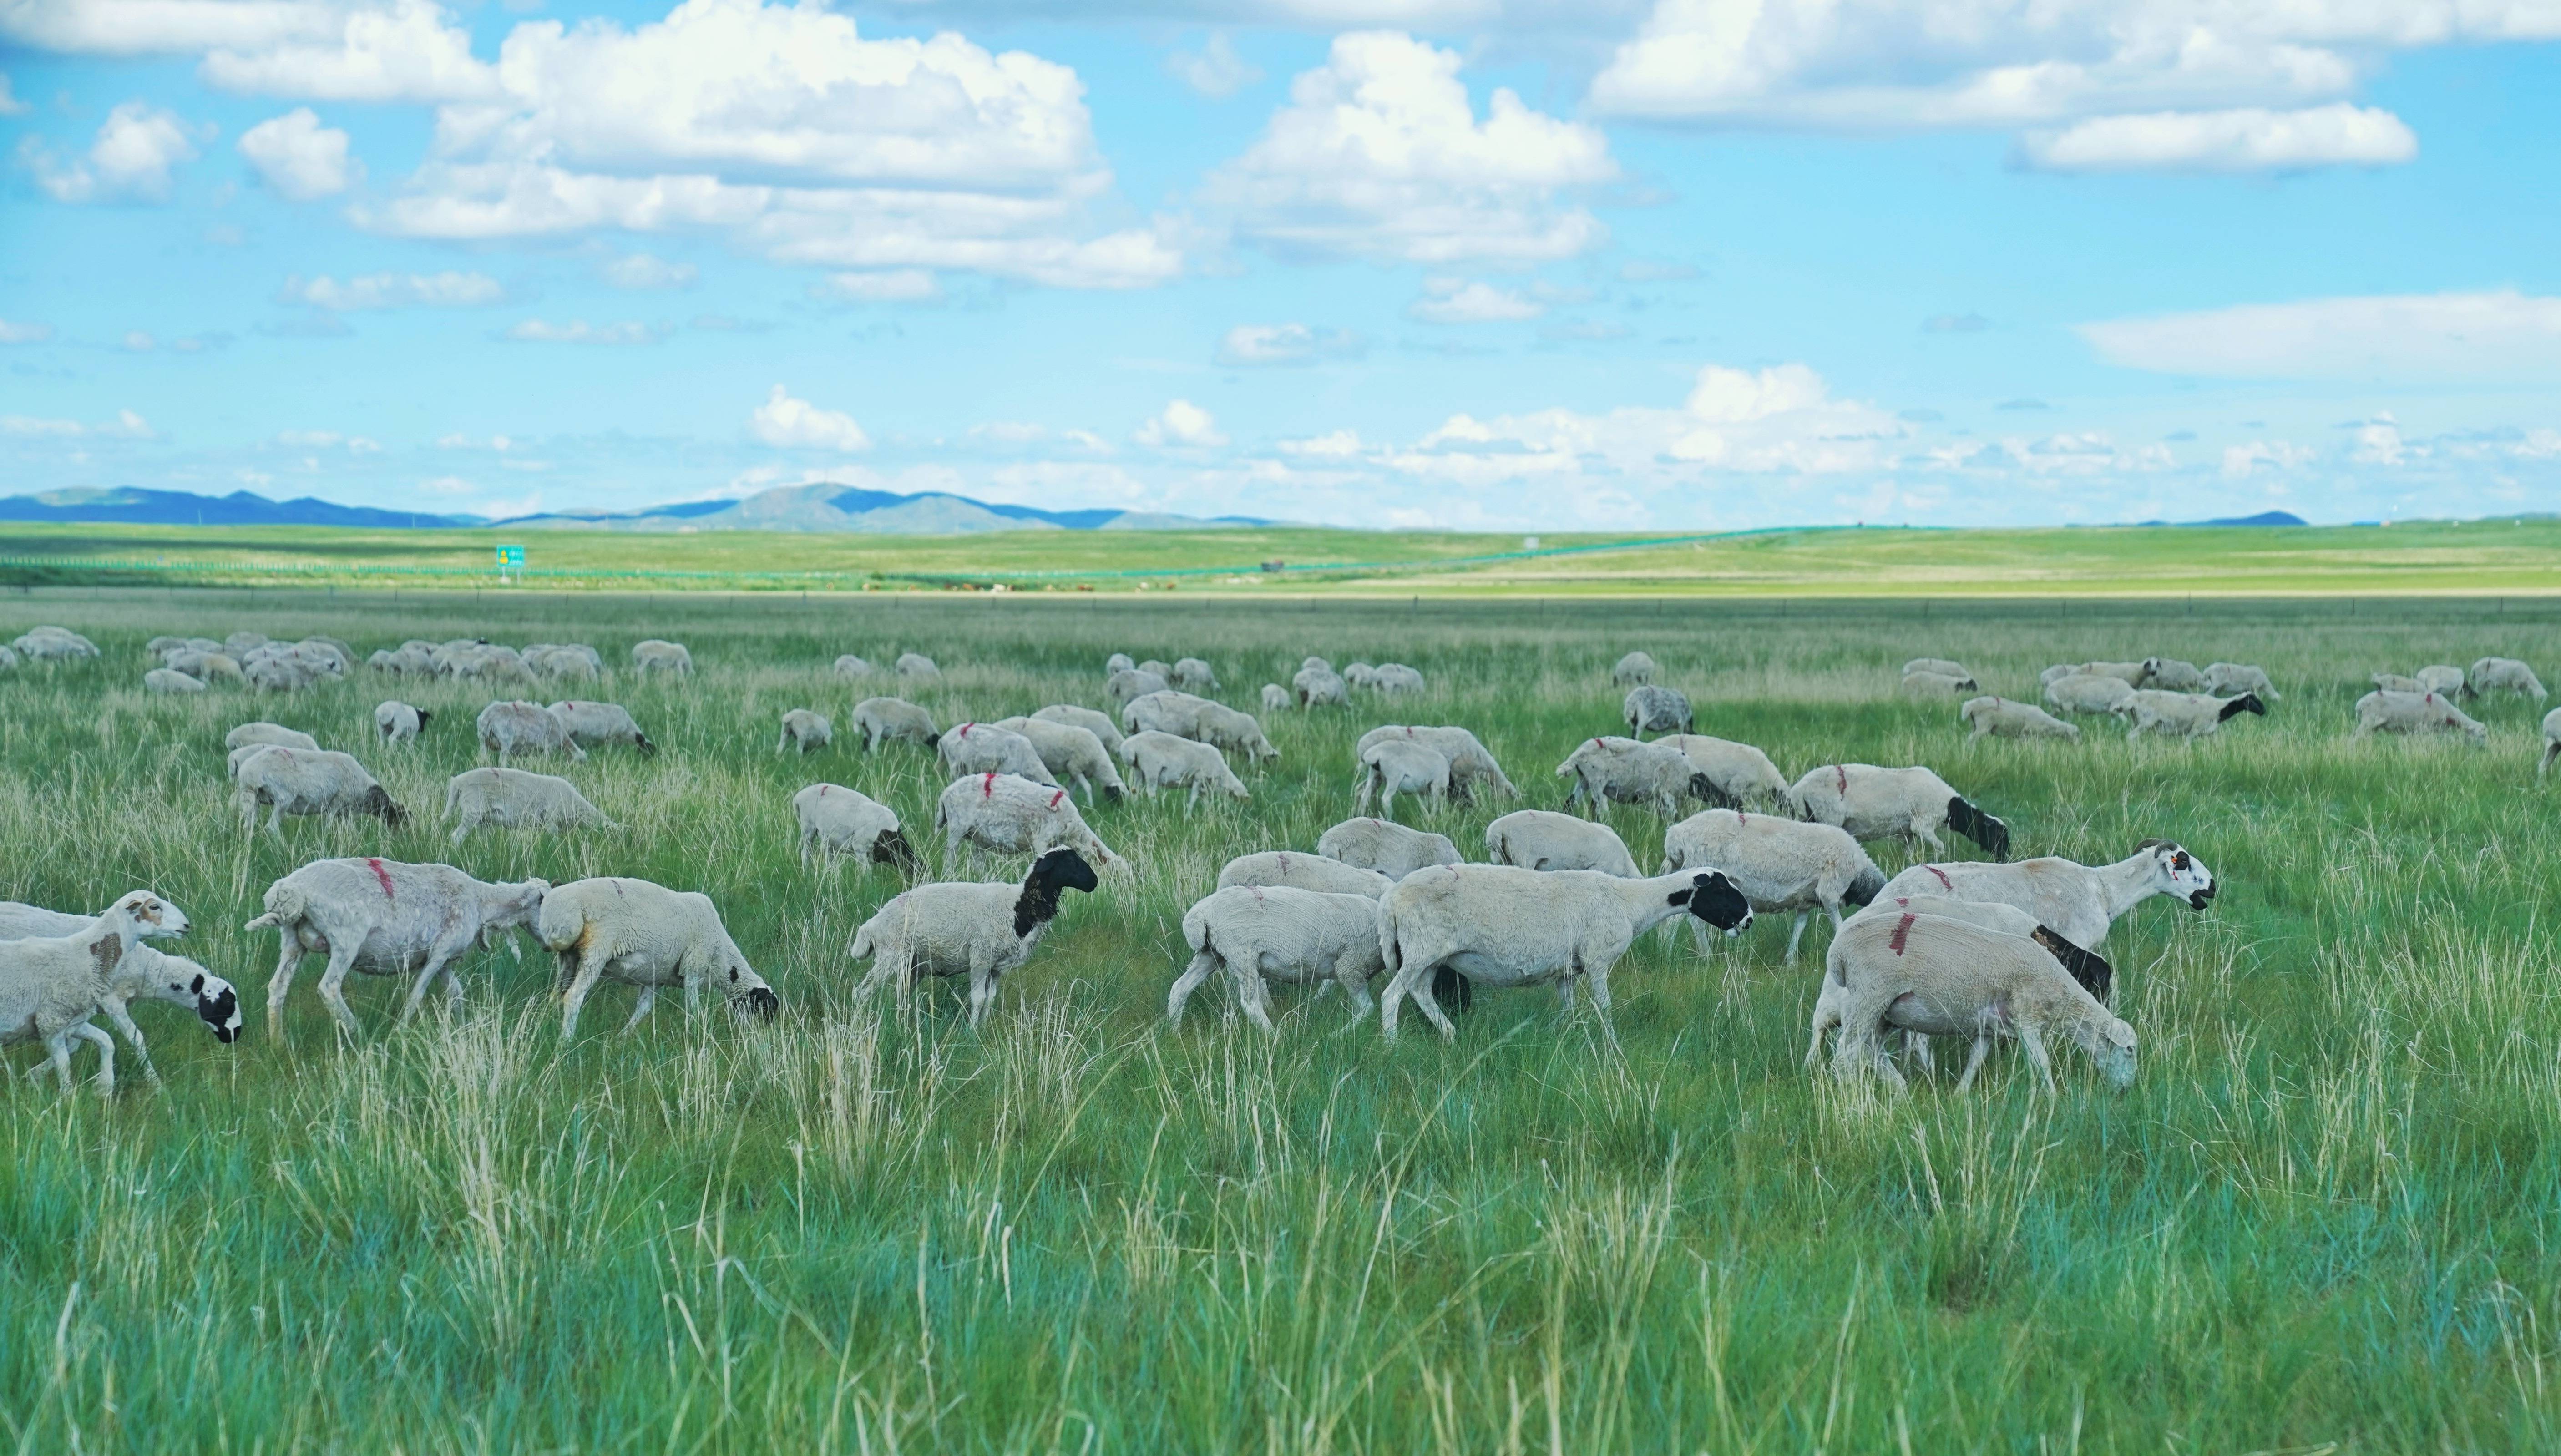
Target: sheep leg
{"x": 1410, "y": 977}
{"x": 2550, "y": 752}
{"x": 640, "y": 1009}
{"x": 1793, "y": 936}
{"x": 1194, "y": 801}
{"x": 1254, "y": 998}
{"x": 275, "y": 821}
{"x": 2032, "y": 1041}
{"x": 984, "y": 976}
{"x": 1355, "y": 986}
{"x": 591, "y": 969}
{"x": 440, "y": 961}
{"x": 1928, "y": 833}
{"x": 288, "y": 959}
{"x": 1826, "y": 1018}
{"x": 1361, "y": 791}
{"x": 1599, "y": 976}
{"x": 106, "y": 1053}
{"x": 1189, "y": 981}
{"x": 116, "y": 1012}
{"x": 1975, "y": 1060}
{"x": 342, "y": 959}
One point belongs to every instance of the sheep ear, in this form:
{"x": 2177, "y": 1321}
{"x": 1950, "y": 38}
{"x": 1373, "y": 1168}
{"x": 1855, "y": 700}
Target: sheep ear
{"x": 198, "y": 989}
{"x": 2153, "y": 843}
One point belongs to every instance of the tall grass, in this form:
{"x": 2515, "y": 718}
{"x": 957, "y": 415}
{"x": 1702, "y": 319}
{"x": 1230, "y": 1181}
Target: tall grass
{"x": 2323, "y": 1215}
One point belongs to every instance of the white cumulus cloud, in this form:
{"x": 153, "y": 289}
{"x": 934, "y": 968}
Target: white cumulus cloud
{"x": 300, "y": 159}
{"x": 1458, "y": 301}
{"x": 1259, "y": 346}
{"x": 639, "y": 272}
{"x": 1180, "y": 422}
{"x": 2493, "y": 335}
{"x": 1215, "y": 69}
{"x": 788, "y": 423}
{"x": 2245, "y": 140}
{"x": 366, "y": 291}
{"x": 10, "y": 106}
{"x": 405, "y": 50}
{"x": 896, "y": 285}
{"x": 133, "y": 158}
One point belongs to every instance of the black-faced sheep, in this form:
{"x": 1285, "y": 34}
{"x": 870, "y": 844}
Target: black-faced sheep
{"x": 982, "y": 931}
{"x": 300, "y": 781}
{"x": 51, "y": 985}
{"x": 843, "y": 821}
{"x": 2080, "y": 901}
{"x": 1939, "y": 977}
{"x": 398, "y": 722}
{"x": 144, "y": 973}
{"x": 1938, "y": 685}
{"x": 1882, "y": 803}
{"x": 1780, "y": 864}
{"x": 2183, "y": 714}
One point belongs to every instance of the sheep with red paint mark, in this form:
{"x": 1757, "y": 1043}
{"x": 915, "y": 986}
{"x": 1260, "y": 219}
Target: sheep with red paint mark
{"x": 1007, "y": 814}
{"x": 1943, "y": 977}
{"x": 1888, "y": 803}
{"x": 383, "y": 918}
{"x": 984, "y": 747}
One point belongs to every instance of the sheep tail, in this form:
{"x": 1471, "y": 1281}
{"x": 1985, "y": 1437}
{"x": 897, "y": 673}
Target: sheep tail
{"x": 284, "y": 907}
{"x": 862, "y": 947}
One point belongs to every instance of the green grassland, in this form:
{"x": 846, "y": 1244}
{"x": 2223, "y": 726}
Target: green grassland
{"x": 2323, "y": 1219}
{"x": 2487, "y": 558}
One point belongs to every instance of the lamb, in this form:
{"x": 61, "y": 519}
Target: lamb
{"x": 2000, "y": 718}
{"x": 841, "y": 821}
{"x": 919, "y": 666}
{"x": 511, "y": 798}
{"x": 302, "y": 781}
{"x": 1912, "y": 803}
{"x": 513, "y": 725}
{"x": 1938, "y": 685}
{"x": 2088, "y": 693}
{"x": 2551, "y": 742}
{"x": 1193, "y": 675}
{"x": 1734, "y": 775}
{"x": 397, "y": 722}
{"x": 144, "y": 973}
{"x": 169, "y": 679}
{"x": 1944, "y": 977}
{"x": 1944, "y": 667}
{"x": 1499, "y": 925}
{"x": 645, "y": 935}
{"x": 1390, "y": 848}
{"x": 1261, "y": 935}
{"x": 592, "y": 725}
{"x": 1007, "y": 814}
{"x": 809, "y": 730}
{"x": 850, "y": 666}
{"x": 1159, "y": 760}
{"x": 2414, "y": 713}
{"x": 1276, "y": 698}
{"x": 1320, "y": 686}
{"x": 1778, "y": 864}
{"x": 981, "y": 931}
{"x": 2183, "y": 714}
{"x": 978, "y": 747}
{"x": 1630, "y": 773}
{"x": 1395, "y": 677}
{"x": 2399, "y": 682}
{"x": 2444, "y": 680}
{"x": 1395, "y": 764}
{"x": 2169, "y": 675}
{"x": 1541, "y": 839}
{"x": 1470, "y": 763}
{"x": 2505, "y": 675}
{"x": 385, "y": 918}
{"x": 51, "y": 985}
{"x": 887, "y": 719}
{"x": 1072, "y": 754}
{"x": 656, "y": 656}
{"x": 1098, "y": 723}
{"x": 1651, "y": 709}
{"x": 2078, "y": 902}
{"x": 1303, "y": 872}
{"x": 2230, "y": 679}
{"x": 1634, "y": 670}
{"x": 1130, "y": 684}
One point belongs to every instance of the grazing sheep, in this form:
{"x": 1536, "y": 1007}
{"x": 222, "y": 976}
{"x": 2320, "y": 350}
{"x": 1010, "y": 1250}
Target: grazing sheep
{"x": 2414, "y": 713}
{"x": 383, "y": 918}
{"x": 1007, "y": 814}
{"x": 919, "y": 666}
{"x": 398, "y": 722}
{"x": 1499, "y": 925}
{"x": 2087, "y": 967}
{"x": 1542, "y": 838}
{"x": 1072, "y": 754}
{"x": 304, "y": 781}
{"x": 2505, "y": 675}
{"x": 2183, "y": 714}
{"x": 1160, "y": 760}
{"x": 592, "y": 725}
{"x": 1276, "y": 698}
{"x": 1295, "y": 937}
{"x": 2132, "y": 673}
{"x": 1321, "y": 687}
{"x": 1634, "y": 670}
{"x": 2169, "y": 675}
{"x": 1880, "y": 803}
{"x": 144, "y": 973}
{"x": 1470, "y": 763}
{"x": 511, "y": 798}
{"x": 981, "y": 747}
{"x": 1631, "y": 772}
{"x": 1168, "y": 712}
{"x": 1655, "y": 710}
{"x": 9, "y": 664}
{"x": 53, "y": 644}
{"x": 1391, "y": 765}
{"x": 645, "y": 935}
{"x": 1131, "y": 684}
{"x": 2078, "y": 902}
{"x": 238, "y": 644}
{"x": 1947, "y": 978}
{"x": 2399, "y": 682}
{"x": 2000, "y": 718}
{"x": 957, "y": 929}
{"x": 2229, "y": 679}
{"x": 1778, "y": 864}
{"x": 512, "y": 726}
{"x": 1098, "y": 723}
{"x": 2444, "y": 680}
{"x": 655, "y": 656}
{"x": 51, "y": 985}
{"x": 810, "y": 731}
{"x": 1118, "y": 662}
{"x": 1159, "y": 667}
{"x": 1944, "y": 667}
{"x": 2551, "y": 742}
{"x": 277, "y": 674}
{"x": 1303, "y": 872}
{"x": 1937, "y": 685}
{"x": 2088, "y": 693}
{"x": 565, "y": 660}
{"x": 842, "y": 821}
{"x": 1734, "y": 775}
{"x": 206, "y": 666}
{"x": 885, "y": 719}
{"x": 169, "y": 679}
{"x": 1395, "y": 677}
{"x": 1360, "y": 675}
{"x": 1390, "y": 848}
{"x": 850, "y": 666}
{"x": 1193, "y": 675}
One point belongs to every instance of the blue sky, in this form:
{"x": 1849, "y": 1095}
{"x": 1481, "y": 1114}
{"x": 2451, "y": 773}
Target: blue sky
{"x": 1511, "y": 263}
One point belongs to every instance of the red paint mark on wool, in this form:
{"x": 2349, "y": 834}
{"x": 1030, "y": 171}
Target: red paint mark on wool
{"x": 987, "y": 786}
{"x": 964, "y": 729}
{"x": 1844, "y": 779}
{"x": 1054, "y": 798}
{"x": 381, "y": 875}
{"x": 1944, "y": 881}
{"x": 1902, "y": 929}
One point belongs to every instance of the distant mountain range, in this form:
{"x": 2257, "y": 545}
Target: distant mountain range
{"x": 2263, "y": 518}
{"x": 130, "y": 507}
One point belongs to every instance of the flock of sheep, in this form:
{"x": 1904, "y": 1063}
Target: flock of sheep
{"x": 1979, "y": 950}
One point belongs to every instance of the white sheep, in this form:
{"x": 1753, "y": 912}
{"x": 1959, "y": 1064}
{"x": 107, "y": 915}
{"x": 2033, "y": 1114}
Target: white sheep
{"x": 512, "y": 726}
{"x": 1160, "y": 668}
{"x": 2505, "y": 675}
{"x": 398, "y": 722}
{"x": 2133, "y": 673}
{"x": 2444, "y": 680}
{"x": 1471, "y": 761}
{"x": 1397, "y": 765}
{"x": 1629, "y": 772}
{"x": 562, "y": 661}
{"x": 1168, "y": 712}
{"x": 919, "y": 667}
{"x": 1778, "y": 864}
{"x": 1072, "y": 754}
{"x": 1297, "y": 871}
{"x": 1394, "y": 677}
{"x": 887, "y": 719}
{"x": 144, "y": 973}
{"x": 1321, "y": 687}
{"x": 1098, "y": 723}
{"x": 1360, "y": 675}
{"x": 51, "y": 985}
{"x": 2382, "y": 712}
{"x": 2551, "y": 742}
{"x": 2078, "y": 902}
{"x": 2169, "y": 675}
{"x": 960, "y": 928}
{"x": 1259, "y": 935}
{"x": 9, "y": 660}
{"x": 656, "y": 656}
{"x": 1131, "y": 684}
{"x": 592, "y": 725}
{"x": 304, "y": 781}
{"x": 169, "y": 679}
{"x": 1118, "y": 662}
{"x": 1655, "y": 710}
{"x": 1734, "y": 775}
{"x": 843, "y": 821}
{"x": 511, "y": 798}
{"x": 646, "y": 936}
{"x": 1881, "y": 803}
{"x": 53, "y": 644}
{"x": 850, "y": 666}
{"x": 1390, "y": 848}
{"x": 278, "y": 674}
{"x": 981, "y": 747}
{"x": 2183, "y": 714}
{"x": 1499, "y": 925}
{"x": 2090, "y": 970}
{"x": 1542, "y": 838}
{"x": 238, "y": 644}
{"x": 2399, "y": 682}
{"x": 1276, "y": 698}
{"x": 1234, "y": 733}
{"x": 1007, "y": 814}
{"x": 1938, "y": 685}
{"x": 1945, "y": 978}
{"x": 807, "y": 730}
{"x": 1634, "y": 670}
{"x": 2228, "y": 679}
{"x": 206, "y": 667}
{"x": 2004, "y": 717}
{"x": 1162, "y": 760}
{"x": 383, "y": 918}
{"x": 2088, "y": 693}
{"x": 1944, "y": 667}
{"x": 1193, "y": 675}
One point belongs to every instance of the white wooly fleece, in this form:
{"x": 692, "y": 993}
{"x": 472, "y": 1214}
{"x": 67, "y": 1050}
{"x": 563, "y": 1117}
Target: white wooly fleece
{"x": 1632, "y": 669}
{"x": 1234, "y": 733}
{"x": 2085, "y": 966}
{"x": 593, "y": 723}
{"x": 144, "y": 973}
{"x": 2505, "y": 675}
{"x": 1390, "y": 848}
{"x": 2182, "y": 714}
{"x": 204, "y": 667}
{"x": 2132, "y": 673}
{"x": 2445, "y": 680}
{"x": 169, "y": 679}
{"x": 1939, "y": 977}
{"x": 1300, "y": 871}
{"x": 302, "y": 781}
{"x": 1396, "y": 677}
{"x": 2088, "y": 693}
{"x": 1321, "y": 687}
{"x": 2004, "y": 718}
{"x": 1314, "y": 664}
{"x": 1193, "y": 674}
{"x": 1542, "y": 838}
{"x": 1159, "y": 667}
{"x": 1007, "y": 814}
{"x": 1938, "y": 685}
{"x": 917, "y": 665}
{"x": 2415, "y": 713}
{"x": 1392, "y": 765}
{"x": 1628, "y": 771}
{"x": 2169, "y": 675}
{"x": 511, "y": 798}
{"x": 409, "y": 660}
{"x": 43, "y": 644}
{"x": 1656, "y": 709}
{"x": 565, "y": 660}
{"x": 1944, "y": 667}
{"x": 807, "y": 729}
{"x": 984, "y": 747}
{"x": 2078, "y": 901}
{"x": 1738, "y": 775}
{"x": 656, "y": 655}
{"x": 1833, "y": 998}
{"x": 959, "y": 928}
{"x": 397, "y": 722}
{"x": 278, "y": 674}
{"x": 843, "y": 821}
{"x": 850, "y": 666}
{"x": 512, "y": 726}
{"x": 1098, "y": 723}
{"x": 1276, "y": 935}
{"x": 1131, "y": 683}
{"x": 1778, "y": 864}
{"x": 1162, "y": 760}
{"x": 1879, "y": 803}
{"x": 1360, "y": 675}
{"x": 884, "y": 719}
{"x": 383, "y": 918}
{"x": 51, "y": 985}
{"x": 1168, "y": 712}
{"x": 2227, "y": 679}
{"x": 645, "y": 935}
{"x": 1117, "y": 662}
{"x": 1072, "y": 754}
{"x": 2551, "y": 742}
{"x": 1276, "y": 698}
{"x": 1470, "y": 763}
{"x": 2398, "y": 683}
